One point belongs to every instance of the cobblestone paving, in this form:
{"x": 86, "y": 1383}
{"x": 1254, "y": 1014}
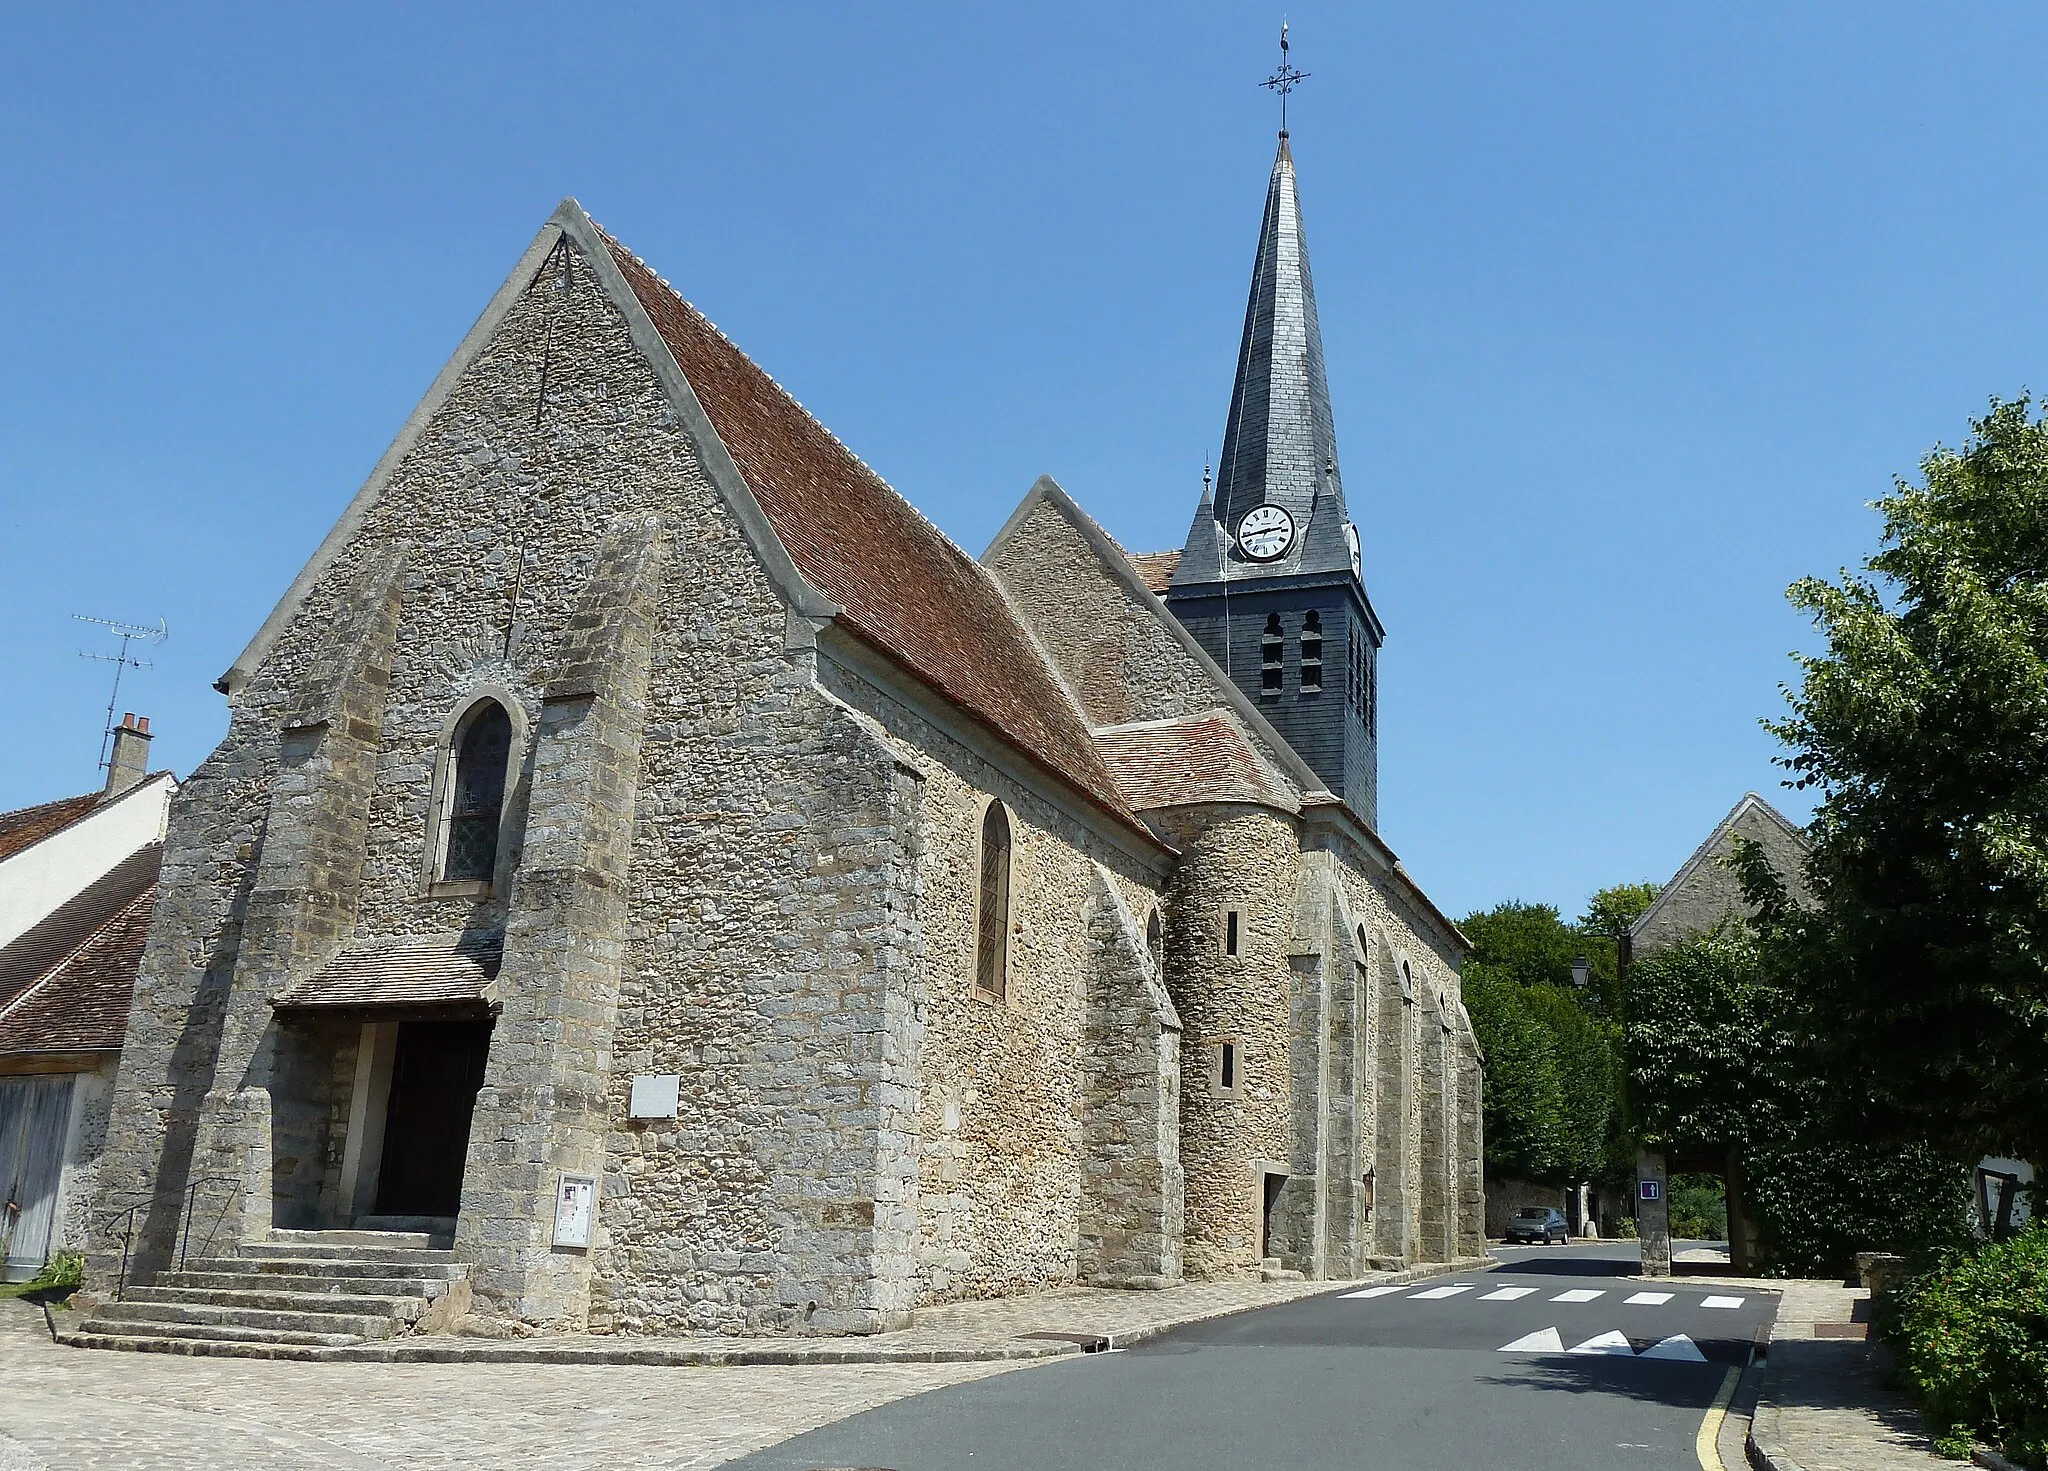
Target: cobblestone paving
{"x": 70, "y": 1408}
{"x": 1824, "y": 1405}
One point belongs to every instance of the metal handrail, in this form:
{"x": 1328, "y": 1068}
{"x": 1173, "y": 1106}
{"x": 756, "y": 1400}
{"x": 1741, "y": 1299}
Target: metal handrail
{"x": 191, "y": 1193}
{"x": 126, "y": 1220}
{"x": 124, "y": 1223}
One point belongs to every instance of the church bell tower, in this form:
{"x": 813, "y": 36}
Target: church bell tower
{"x": 1270, "y": 580}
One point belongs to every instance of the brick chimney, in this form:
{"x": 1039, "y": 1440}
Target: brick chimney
{"x": 129, "y": 762}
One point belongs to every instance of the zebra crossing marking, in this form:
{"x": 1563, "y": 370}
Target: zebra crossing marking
{"x": 1648, "y": 1299}
{"x": 1722, "y": 1302}
{"x": 1436, "y": 1292}
{"x": 1505, "y": 1294}
{"x": 1580, "y": 1294}
{"x": 1379, "y": 1291}
{"x": 1543, "y": 1341}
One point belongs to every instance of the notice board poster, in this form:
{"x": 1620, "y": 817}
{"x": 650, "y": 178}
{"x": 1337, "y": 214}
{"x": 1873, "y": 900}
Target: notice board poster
{"x": 575, "y": 1208}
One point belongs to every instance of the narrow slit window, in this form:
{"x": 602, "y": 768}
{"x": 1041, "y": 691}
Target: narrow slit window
{"x": 1226, "y": 1066}
{"x": 1155, "y": 941}
{"x": 992, "y": 942}
{"x": 1230, "y": 932}
{"x": 1312, "y": 653}
{"x": 483, "y": 749}
{"x": 1272, "y": 673}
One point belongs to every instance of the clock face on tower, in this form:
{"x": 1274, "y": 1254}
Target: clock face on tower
{"x": 1265, "y": 532}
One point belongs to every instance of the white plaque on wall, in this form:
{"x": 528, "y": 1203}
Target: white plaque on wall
{"x": 655, "y": 1095}
{"x": 575, "y": 1209}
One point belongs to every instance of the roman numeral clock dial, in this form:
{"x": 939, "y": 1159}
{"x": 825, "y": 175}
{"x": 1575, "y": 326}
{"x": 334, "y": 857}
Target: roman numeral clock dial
{"x": 1265, "y": 532}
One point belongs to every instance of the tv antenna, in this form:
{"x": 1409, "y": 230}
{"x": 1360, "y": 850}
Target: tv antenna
{"x": 123, "y": 661}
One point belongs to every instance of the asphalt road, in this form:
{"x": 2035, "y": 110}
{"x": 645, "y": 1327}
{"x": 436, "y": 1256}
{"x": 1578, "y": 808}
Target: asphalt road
{"x": 1419, "y": 1377}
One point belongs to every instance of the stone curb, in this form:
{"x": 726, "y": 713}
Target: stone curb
{"x": 452, "y": 1350}
{"x": 1991, "y": 1460}
{"x": 1763, "y": 1438}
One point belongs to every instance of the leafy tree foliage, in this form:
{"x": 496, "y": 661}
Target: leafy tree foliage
{"x": 1553, "y": 1067}
{"x": 1924, "y": 727}
{"x": 1723, "y": 1055}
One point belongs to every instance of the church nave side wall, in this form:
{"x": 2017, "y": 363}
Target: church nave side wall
{"x": 1000, "y": 1080}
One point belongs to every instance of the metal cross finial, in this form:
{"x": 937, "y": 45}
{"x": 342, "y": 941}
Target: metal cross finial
{"x": 1285, "y": 80}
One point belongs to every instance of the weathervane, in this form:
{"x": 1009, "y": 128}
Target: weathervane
{"x": 1284, "y": 80}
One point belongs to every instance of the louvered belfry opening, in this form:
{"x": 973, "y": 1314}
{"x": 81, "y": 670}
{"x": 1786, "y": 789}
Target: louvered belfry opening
{"x": 992, "y": 939}
{"x": 482, "y": 751}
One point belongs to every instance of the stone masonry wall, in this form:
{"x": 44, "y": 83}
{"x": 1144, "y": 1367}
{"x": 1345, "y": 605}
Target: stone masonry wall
{"x": 1000, "y": 1113}
{"x": 1116, "y": 657}
{"x": 1241, "y": 858}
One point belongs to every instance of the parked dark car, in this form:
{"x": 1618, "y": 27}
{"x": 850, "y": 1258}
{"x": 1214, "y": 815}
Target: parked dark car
{"x": 1538, "y": 1225}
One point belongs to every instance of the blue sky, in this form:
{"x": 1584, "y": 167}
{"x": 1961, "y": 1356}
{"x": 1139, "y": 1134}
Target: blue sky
{"x": 1629, "y": 311}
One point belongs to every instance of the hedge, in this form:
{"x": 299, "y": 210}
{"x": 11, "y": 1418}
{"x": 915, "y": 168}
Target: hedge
{"x": 1971, "y": 1339}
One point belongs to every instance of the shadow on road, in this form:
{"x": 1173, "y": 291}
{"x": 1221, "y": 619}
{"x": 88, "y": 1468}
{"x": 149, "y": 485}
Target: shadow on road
{"x": 1689, "y": 1386}
{"x": 1570, "y": 1266}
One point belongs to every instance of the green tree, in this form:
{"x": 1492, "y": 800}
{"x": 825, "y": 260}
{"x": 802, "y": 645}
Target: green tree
{"x": 1924, "y": 728}
{"x": 1553, "y": 1065}
{"x": 1524, "y": 1107}
{"x": 1723, "y": 1054}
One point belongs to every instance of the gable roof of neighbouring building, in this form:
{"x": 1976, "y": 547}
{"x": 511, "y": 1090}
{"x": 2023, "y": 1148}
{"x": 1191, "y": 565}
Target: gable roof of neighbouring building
{"x": 1703, "y": 892}
{"x": 65, "y": 985}
{"x": 26, "y": 826}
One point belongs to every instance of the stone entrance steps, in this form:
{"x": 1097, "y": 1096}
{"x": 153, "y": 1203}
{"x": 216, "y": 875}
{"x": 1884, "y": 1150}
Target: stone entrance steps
{"x": 299, "y": 1291}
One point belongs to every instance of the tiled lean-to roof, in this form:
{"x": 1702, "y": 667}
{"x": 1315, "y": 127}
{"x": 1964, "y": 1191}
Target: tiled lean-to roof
{"x": 410, "y": 971}
{"x": 1197, "y": 758}
{"x": 29, "y": 825}
{"x": 65, "y": 985}
{"x": 904, "y": 586}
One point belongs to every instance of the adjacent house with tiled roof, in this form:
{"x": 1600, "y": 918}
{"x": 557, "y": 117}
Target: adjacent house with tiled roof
{"x": 77, "y": 881}
{"x": 656, "y": 879}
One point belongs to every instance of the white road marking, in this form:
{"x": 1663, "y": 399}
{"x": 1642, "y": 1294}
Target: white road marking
{"x": 1677, "y": 1346}
{"x": 1544, "y": 1341}
{"x": 1722, "y": 1302}
{"x": 1613, "y": 1341}
{"x": 1379, "y": 1291}
{"x": 1580, "y": 1294}
{"x": 1440, "y": 1292}
{"x": 1505, "y": 1294}
{"x": 1648, "y": 1299}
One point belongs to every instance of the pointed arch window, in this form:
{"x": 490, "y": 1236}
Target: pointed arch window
{"x": 476, "y": 794}
{"x": 1312, "y": 653}
{"x": 1155, "y": 941}
{"x": 1272, "y": 675}
{"x": 992, "y": 932}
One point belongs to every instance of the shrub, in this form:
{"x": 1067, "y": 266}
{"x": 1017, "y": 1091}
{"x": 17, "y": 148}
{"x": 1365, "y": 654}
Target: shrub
{"x": 1971, "y": 1337}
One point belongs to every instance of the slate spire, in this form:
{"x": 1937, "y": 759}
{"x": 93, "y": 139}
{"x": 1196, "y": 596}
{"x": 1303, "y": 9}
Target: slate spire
{"x": 1279, "y": 444}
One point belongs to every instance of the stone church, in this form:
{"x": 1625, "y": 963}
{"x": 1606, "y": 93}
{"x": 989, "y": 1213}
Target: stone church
{"x": 656, "y": 880}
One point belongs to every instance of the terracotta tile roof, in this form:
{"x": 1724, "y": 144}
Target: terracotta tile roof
{"x": 415, "y": 971}
{"x": 31, "y": 955}
{"x": 1155, "y": 569}
{"x": 78, "y": 1000}
{"x": 26, "y": 825}
{"x": 1197, "y": 758}
{"x": 904, "y": 586}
